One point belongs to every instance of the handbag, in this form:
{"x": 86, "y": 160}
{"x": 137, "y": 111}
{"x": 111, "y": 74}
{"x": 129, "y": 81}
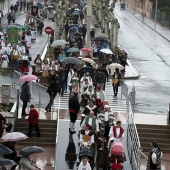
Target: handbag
{"x": 15, "y": 55}
{"x": 115, "y": 81}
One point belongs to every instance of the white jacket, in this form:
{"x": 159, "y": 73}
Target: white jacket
{"x": 25, "y": 164}
{"x": 87, "y": 166}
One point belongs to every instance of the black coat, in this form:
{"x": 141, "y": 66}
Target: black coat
{"x": 100, "y": 77}
{"x": 54, "y": 88}
{"x": 25, "y": 93}
{"x": 74, "y": 104}
{"x": 119, "y": 77}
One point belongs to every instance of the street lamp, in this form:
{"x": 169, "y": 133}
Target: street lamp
{"x": 156, "y": 8}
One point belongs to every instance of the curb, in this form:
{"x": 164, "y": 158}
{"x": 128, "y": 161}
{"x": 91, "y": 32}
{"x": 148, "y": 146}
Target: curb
{"x": 134, "y": 70}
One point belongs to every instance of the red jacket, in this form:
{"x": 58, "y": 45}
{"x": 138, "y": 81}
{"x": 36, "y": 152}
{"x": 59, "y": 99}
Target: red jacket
{"x": 33, "y": 117}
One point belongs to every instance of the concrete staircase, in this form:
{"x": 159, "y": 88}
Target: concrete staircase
{"x": 47, "y": 130}
{"x": 160, "y": 133}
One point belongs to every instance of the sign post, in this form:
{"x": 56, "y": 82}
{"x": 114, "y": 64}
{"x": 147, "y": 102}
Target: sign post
{"x": 48, "y": 31}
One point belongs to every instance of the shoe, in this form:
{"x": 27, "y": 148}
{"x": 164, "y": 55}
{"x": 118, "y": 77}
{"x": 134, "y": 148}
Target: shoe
{"x": 25, "y": 114}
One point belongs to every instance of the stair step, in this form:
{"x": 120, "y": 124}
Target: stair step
{"x": 30, "y": 143}
{"x": 41, "y": 125}
{"x": 150, "y": 134}
{"x": 157, "y": 138}
{"x": 43, "y": 129}
{"x": 40, "y": 121}
{"x": 153, "y": 131}
{"x": 145, "y": 126}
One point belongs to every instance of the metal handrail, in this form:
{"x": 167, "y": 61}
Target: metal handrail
{"x": 58, "y": 114}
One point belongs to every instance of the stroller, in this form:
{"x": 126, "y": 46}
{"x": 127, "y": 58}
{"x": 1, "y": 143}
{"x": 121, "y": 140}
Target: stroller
{"x": 86, "y": 151}
{"x": 117, "y": 156}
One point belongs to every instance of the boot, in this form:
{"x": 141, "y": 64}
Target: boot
{"x": 71, "y": 128}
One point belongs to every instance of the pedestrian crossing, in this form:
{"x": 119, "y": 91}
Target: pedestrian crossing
{"x": 117, "y": 104}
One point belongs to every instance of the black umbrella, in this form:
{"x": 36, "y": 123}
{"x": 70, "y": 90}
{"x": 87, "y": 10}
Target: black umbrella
{"x": 85, "y": 69}
{"x": 30, "y": 150}
{"x": 71, "y": 60}
{"x": 99, "y": 39}
{"x": 4, "y": 162}
{"x": 78, "y": 34}
{"x": 4, "y": 150}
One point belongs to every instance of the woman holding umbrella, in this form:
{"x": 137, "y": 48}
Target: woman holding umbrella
{"x": 116, "y": 81}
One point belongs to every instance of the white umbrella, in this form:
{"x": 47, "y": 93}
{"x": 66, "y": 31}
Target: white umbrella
{"x": 58, "y": 42}
{"x": 106, "y": 51}
{"x": 88, "y": 60}
{"x": 113, "y": 66}
{"x": 14, "y": 136}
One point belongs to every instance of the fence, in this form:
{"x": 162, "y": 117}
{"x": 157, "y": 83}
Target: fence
{"x": 38, "y": 91}
{"x": 133, "y": 142}
{"x": 124, "y": 91}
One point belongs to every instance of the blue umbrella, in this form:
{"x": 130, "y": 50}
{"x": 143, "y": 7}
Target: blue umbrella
{"x": 75, "y": 13}
{"x": 73, "y": 50}
{"x": 74, "y": 29}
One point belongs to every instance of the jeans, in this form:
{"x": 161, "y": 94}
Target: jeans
{"x": 48, "y": 107}
{"x": 36, "y": 127}
{"x": 24, "y": 106}
{"x": 115, "y": 90}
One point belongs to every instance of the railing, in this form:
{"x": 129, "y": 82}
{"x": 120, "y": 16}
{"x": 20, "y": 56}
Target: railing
{"x": 58, "y": 112}
{"x": 124, "y": 91}
{"x": 133, "y": 142}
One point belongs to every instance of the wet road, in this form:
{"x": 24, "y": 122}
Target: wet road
{"x": 150, "y": 54}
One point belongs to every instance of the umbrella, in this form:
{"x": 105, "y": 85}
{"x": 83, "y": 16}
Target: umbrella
{"x": 117, "y": 148}
{"x": 115, "y": 65}
{"x": 99, "y": 39}
{"x": 4, "y": 162}
{"x": 73, "y": 50}
{"x": 22, "y": 27}
{"x": 14, "y": 136}
{"x": 58, "y": 42}
{"x": 103, "y": 35}
{"x": 88, "y": 50}
{"x": 4, "y": 150}
{"x": 88, "y": 60}
{"x": 71, "y": 60}
{"x": 106, "y": 51}
{"x": 75, "y": 13}
{"x": 30, "y": 150}
{"x": 78, "y": 34}
{"x": 37, "y": 19}
{"x": 86, "y": 68}
{"x": 74, "y": 29}
{"x": 28, "y": 78}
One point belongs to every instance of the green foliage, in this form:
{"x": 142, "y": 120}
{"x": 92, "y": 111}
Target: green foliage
{"x": 165, "y": 10}
{"x": 161, "y": 3}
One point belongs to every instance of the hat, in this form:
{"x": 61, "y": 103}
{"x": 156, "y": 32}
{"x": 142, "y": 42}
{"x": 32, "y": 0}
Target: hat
{"x": 98, "y": 87}
{"x": 106, "y": 106}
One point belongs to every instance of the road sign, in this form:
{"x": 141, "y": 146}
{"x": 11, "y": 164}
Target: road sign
{"x": 48, "y": 30}
{"x": 144, "y": 14}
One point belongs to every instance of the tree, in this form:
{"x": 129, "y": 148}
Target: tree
{"x": 161, "y": 3}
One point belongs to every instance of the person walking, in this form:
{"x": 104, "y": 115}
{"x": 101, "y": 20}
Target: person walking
{"x": 116, "y": 81}
{"x": 33, "y": 121}
{"x": 25, "y": 97}
{"x": 2, "y": 123}
{"x": 100, "y": 78}
{"x": 74, "y": 108}
{"x": 52, "y": 90}
{"x": 154, "y": 157}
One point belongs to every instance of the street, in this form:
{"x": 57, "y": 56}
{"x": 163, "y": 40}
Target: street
{"x": 150, "y": 54}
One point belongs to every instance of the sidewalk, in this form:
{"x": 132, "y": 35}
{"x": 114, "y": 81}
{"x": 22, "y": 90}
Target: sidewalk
{"x": 161, "y": 30}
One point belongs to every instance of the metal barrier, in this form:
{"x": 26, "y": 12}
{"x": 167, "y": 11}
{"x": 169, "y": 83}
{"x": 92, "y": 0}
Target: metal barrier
{"x": 133, "y": 142}
{"x": 131, "y": 97}
{"x": 58, "y": 113}
{"x": 124, "y": 91}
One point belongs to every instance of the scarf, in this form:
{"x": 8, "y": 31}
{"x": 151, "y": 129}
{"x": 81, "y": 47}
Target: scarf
{"x": 114, "y": 132}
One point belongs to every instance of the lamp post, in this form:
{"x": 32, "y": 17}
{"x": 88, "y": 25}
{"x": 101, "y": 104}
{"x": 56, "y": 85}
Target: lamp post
{"x": 156, "y": 8}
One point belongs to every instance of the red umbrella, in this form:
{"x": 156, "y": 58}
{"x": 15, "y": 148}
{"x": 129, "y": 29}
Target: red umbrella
{"x": 88, "y": 50}
{"x": 27, "y": 78}
{"x": 117, "y": 148}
